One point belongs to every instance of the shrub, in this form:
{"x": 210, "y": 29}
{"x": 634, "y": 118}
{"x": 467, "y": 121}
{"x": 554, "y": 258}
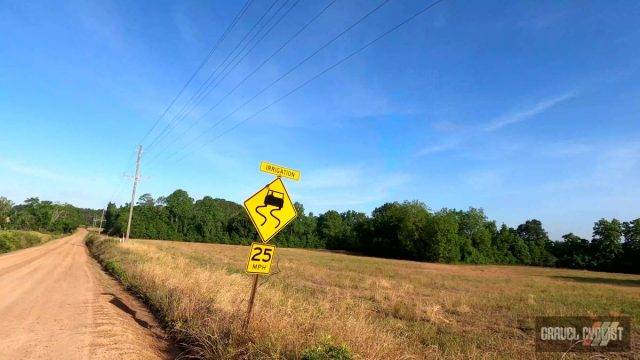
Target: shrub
{"x": 11, "y": 240}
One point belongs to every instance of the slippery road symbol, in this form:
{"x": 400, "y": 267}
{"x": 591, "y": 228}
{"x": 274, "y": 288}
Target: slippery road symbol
{"x": 275, "y": 199}
{"x": 270, "y": 209}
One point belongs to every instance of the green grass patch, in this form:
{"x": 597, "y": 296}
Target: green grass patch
{"x": 327, "y": 351}
{"x": 11, "y": 240}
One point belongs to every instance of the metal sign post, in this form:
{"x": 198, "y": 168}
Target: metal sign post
{"x": 252, "y": 298}
{"x": 270, "y": 210}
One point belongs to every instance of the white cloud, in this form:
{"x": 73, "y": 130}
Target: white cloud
{"x": 485, "y": 180}
{"x": 607, "y": 188}
{"x": 567, "y": 149}
{"x": 436, "y": 148}
{"x": 614, "y": 168}
{"x": 102, "y": 20}
{"x": 447, "y": 126}
{"x": 19, "y": 181}
{"x": 466, "y": 133}
{"x": 333, "y": 177}
{"x": 618, "y": 165}
{"x": 525, "y": 114}
{"x": 31, "y": 171}
{"x": 343, "y": 188}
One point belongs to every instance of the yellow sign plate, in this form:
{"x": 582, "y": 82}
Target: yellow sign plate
{"x": 278, "y": 170}
{"x": 260, "y": 258}
{"x": 270, "y": 209}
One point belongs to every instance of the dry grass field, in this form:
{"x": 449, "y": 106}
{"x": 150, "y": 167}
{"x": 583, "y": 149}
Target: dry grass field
{"x": 375, "y": 308}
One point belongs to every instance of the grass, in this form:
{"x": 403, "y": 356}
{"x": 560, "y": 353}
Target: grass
{"x": 11, "y": 240}
{"x": 322, "y": 305}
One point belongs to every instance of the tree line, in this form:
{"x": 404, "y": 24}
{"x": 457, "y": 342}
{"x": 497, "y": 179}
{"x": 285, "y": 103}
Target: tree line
{"x": 44, "y": 216}
{"x": 403, "y": 230}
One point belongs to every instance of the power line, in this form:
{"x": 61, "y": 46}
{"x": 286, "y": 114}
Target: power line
{"x": 202, "y": 64}
{"x": 198, "y": 94}
{"x": 212, "y": 83}
{"x": 334, "y": 65}
{"x": 226, "y": 72}
{"x": 216, "y": 81}
{"x": 225, "y": 33}
{"x": 201, "y": 117}
{"x": 274, "y": 82}
{"x": 241, "y": 82}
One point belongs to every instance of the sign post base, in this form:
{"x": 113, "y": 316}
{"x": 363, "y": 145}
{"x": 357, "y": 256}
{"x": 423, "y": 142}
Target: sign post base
{"x": 252, "y": 298}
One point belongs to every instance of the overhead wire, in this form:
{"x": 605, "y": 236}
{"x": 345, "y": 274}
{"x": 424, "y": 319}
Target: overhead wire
{"x": 277, "y": 80}
{"x": 218, "y": 78}
{"x": 213, "y": 84}
{"x": 116, "y": 191}
{"x": 253, "y": 72}
{"x": 319, "y": 74}
{"x": 199, "y": 92}
{"x": 199, "y": 118}
{"x": 202, "y": 64}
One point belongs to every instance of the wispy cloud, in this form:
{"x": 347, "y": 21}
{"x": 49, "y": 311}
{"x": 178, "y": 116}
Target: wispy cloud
{"x": 333, "y": 177}
{"x": 343, "y": 188}
{"x": 437, "y": 148}
{"x": 483, "y": 180}
{"x": 447, "y": 126}
{"x": 525, "y": 114}
{"x": 102, "y": 20}
{"x": 566, "y": 149}
{"x": 31, "y": 171}
{"x": 618, "y": 164}
{"x": 19, "y": 181}
{"x": 465, "y": 133}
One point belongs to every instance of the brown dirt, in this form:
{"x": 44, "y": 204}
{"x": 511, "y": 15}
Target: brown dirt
{"x": 56, "y": 303}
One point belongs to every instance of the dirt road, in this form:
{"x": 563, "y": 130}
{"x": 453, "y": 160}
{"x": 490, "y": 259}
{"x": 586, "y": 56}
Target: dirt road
{"x": 56, "y": 303}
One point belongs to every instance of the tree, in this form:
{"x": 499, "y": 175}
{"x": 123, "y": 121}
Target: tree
{"x": 537, "y": 240}
{"x": 241, "y": 230}
{"x": 573, "y": 252}
{"x": 406, "y": 230}
{"x": 111, "y": 224}
{"x": 210, "y": 220}
{"x": 441, "y": 242}
{"x": 32, "y": 201}
{"x": 606, "y": 246}
{"x": 44, "y": 216}
{"x": 475, "y": 233}
{"x": 631, "y": 246}
{"x": 180, "y": 207}
{"x": 146, "y": 200}
{"x": 332, "y": 229}
{"x": 398, "y": 230}
{"x": 301, "y": 232}
{"x": 356, "y": 228}
{"x": 6, "y": 207}
{"x": 504, "y": 243}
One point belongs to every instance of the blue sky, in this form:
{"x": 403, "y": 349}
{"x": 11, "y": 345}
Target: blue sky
{"x": 527, "y": 109}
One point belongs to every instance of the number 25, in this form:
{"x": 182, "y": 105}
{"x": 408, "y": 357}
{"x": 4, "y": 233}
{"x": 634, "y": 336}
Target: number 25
{"x": 259, "y": 251}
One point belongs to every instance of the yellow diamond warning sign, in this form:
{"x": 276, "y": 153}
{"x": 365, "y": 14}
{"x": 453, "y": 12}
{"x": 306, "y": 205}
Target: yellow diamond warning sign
{"x": 270, "y": 209}
{"x": 260, "y": 258}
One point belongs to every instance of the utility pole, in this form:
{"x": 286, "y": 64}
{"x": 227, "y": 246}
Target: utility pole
{"x": 102, "y": 218}
{"x": 136, "y": 178}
